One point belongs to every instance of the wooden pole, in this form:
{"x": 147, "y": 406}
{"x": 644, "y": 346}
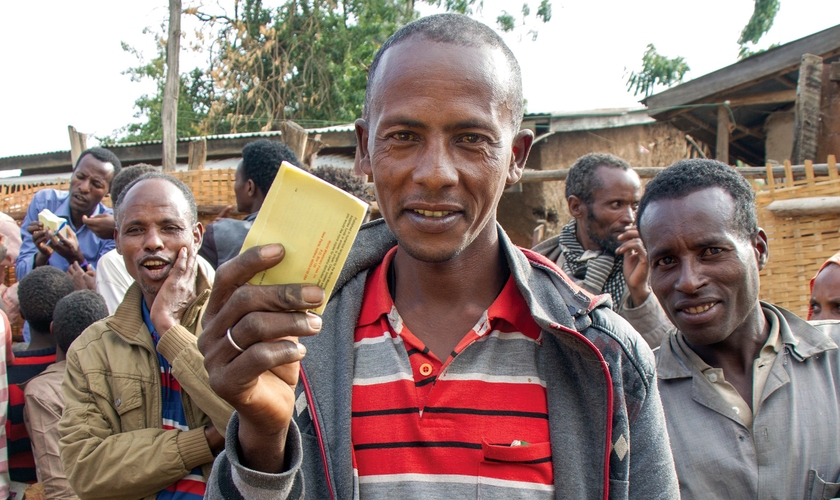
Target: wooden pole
{"x": 779, "y": 171}
{"x": 198, "y": 154}
{"x": 78, "y": 143}
{"x": 806, "y": 122}
{"x": 799, "y": 207}
{"x": 169, "y": 113}
{"x": 829, "y": 137}
{"x": 722, "y": 147}
{"x": 295, "y": 137}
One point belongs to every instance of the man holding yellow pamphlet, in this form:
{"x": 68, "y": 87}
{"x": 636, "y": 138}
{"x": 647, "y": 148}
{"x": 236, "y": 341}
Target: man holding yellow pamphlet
{"x": 447, "y": 363}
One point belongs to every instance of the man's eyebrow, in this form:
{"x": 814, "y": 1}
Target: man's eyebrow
{"x": 659, "y": 253}
{"x": 402, "y": 121}
{"x": 468, "y": 124}
{"x": 163, "y": 222}
{"x": 712, "y": 243}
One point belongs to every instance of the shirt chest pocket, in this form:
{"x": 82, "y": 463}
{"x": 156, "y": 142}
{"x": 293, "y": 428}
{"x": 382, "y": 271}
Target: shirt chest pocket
{"x": 820, "y": 489}
{"x": 121, "y": 402}
{"x": 518, "y": 470}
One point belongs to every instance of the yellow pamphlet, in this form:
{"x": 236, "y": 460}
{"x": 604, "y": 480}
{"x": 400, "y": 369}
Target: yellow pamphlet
{"x": 315, "y": 222}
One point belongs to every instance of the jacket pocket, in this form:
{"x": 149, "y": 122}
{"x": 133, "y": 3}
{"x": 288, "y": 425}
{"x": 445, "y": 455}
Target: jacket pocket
{"x": 122, "y": 397}
{"x": 818, "y": 489}
{"x": 521, "y": 471}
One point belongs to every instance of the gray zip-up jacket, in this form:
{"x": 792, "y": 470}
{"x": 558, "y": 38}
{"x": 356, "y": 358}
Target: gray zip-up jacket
{"x": 607, "y": 428}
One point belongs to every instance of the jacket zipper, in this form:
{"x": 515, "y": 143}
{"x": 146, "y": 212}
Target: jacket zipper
{"x": 608, "y": 431}
{"x": 604, "y": 368}
{"x": 310, "y": 401}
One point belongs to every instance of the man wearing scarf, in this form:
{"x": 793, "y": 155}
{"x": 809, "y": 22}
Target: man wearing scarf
{"x": 600, "y": 247}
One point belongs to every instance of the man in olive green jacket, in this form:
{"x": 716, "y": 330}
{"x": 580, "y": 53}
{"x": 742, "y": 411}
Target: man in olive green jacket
{"x": 116, "y": 440}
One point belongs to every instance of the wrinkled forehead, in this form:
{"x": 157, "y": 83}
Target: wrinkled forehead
{"x": 698, "y": 214}
{"x": 156, "y": 192}
{"x": 92, "y": 165}
{"x": 441, "y": 67}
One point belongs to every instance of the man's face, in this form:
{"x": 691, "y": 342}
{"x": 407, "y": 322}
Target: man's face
{"x": 825, "y": 298}
{"x": 440, "y": 144}
{"x": 240, "y": 189}
{"x": 612, "y": 211}
{"x": 154, "y": 224}
{"x": 703, "y": 270}
{"x": 89, "y": 184}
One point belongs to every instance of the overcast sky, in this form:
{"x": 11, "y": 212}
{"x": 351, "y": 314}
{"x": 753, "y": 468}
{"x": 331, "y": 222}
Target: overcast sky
{"x": 62, "y": 62}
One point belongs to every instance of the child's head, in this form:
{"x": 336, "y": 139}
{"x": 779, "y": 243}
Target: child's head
{"x": 74, "y": 313}
{"x": 39, "y": 292}
{"x": 825, "y": 291}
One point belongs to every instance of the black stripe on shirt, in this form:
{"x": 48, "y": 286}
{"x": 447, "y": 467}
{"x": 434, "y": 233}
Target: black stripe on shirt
{"x": 389, "y": 411}
{"x": 494, "y": 413}
{"x": 418, "y": 444}
{"x": 535, "y": 461}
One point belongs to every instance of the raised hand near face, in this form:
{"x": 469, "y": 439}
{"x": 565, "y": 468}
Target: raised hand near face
{"x": 636, "y": 268}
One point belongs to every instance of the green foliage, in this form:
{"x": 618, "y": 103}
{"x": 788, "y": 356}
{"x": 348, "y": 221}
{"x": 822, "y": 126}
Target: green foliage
{"x": 300, "y": 60}
{"x": 544, "y": 11}
{"x": 760, "y": 23}
{"x": 746, "y": 52}
{"x": 193, "y": 101}
{"x": 659, "y": 70}
{"x": 506, "y": 22}
{"x": 656, "y": 70}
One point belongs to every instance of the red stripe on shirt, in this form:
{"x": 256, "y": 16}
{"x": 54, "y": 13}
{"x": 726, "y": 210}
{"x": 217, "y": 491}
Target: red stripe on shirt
{"x": 467, "y": 427}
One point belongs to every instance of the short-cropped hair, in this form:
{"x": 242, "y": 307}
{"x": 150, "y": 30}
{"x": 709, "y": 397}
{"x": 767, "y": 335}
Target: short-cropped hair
{"x": 39, "y": 292}
{"x": 582, "y": 180}
{"x": 168, "y": 178}
{"x": 74, "y": 313}
{"x": 687, "y": 176}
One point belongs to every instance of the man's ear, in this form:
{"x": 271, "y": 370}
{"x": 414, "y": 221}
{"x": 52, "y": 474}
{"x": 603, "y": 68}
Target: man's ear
{"x": 577, "y": 208}
{"x": 519, "y": 155}
{"x": 198, "y": 234}
{"x": 117, "y": 239}
{"x": 362, "y": 160}
{"x": 251, "y": 188}
{"x": 762, "y": 249}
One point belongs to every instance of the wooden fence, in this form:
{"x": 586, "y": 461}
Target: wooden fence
{"x": 799, "y": 244}
{"x": 212, "y": 189}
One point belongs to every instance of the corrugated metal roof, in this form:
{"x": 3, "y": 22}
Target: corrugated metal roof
{"x": 244, "y": 135}
{"x": 588, "y": 113}
{"x": 336, "y": 128}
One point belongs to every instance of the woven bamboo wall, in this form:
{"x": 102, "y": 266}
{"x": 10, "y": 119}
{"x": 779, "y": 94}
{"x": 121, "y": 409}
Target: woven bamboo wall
{"x": 798, "y": 245}
{"x": 212, "y": 189}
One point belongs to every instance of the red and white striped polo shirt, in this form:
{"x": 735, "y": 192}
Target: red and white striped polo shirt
{"x": 474, "y": 425}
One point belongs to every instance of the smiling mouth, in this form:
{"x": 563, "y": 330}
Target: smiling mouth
{"x": 154, "y": 264}
{"x": 699, "y": 309}
{"x": 429, "y": 213}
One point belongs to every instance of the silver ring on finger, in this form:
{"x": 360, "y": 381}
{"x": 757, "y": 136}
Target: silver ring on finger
{"x": 230, "y": 339}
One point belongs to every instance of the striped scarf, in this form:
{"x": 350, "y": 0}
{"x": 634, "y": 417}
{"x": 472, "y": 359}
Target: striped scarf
{"x": 597, "y": 272}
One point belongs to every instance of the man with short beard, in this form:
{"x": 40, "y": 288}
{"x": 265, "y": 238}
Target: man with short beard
{"x": 140, "y": 419}
{"x": 600, "y": 247}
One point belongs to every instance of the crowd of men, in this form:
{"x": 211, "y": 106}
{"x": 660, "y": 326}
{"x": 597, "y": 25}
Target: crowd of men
{"x": 628, "y": 357}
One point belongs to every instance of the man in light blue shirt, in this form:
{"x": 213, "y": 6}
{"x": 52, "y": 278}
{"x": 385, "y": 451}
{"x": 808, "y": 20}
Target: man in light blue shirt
{"x": 90, "y": 224}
